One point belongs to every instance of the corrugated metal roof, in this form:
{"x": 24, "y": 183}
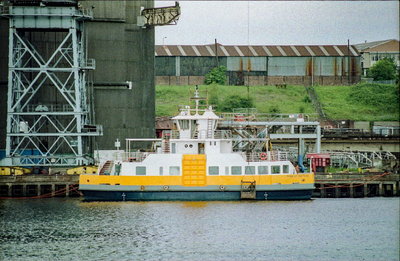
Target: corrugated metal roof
{"x": 256, "y": 50}
{"x": 363, "y": 46}
{"x": 390, "y": 46}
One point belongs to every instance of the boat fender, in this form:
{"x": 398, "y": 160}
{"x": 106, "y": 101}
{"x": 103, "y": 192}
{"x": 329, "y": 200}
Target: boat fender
{"x": 222, "y": 187}
{"x": 263, "y": 156}
{"x": 165, "y": 188}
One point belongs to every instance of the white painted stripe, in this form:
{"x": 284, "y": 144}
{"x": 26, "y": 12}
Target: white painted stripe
{"x": 281, "y": 50}
{"x": 253, "y": 51}
{"x": 224, "y": 50}
{"x": 167, "y": 51}
{"x": 338, "y": 50}
{"x": 309, "y": 50}
{"x": 267, "y": 51}
{"x": 323, "y": 50}
{"x": 210, "y": 50}
{"x": 295, "y": 50}
{"x": 353, "y": 52}
{"x": 238, "y": 50}
{"x": 196, "y": 51}
{"x": 181, "y": 50}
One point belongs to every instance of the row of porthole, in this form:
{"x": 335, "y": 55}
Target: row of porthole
{"x": 165, "y": 188}
{"x": 190, "y": 145}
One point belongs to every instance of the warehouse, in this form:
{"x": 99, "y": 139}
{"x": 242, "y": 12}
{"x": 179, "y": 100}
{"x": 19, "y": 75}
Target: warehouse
{"x": 259, "y": 65}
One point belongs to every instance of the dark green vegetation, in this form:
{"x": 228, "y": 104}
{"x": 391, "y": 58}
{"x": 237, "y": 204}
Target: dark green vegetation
{"x": 369, "y": 102}
{"x": 382, "y": 70}
{"x": 217, "y": 75}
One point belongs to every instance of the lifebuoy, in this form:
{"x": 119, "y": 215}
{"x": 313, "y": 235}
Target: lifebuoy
{"x": 165, "y": 188}
{"x": 263, "y": 156}
{"x": 222, "y": 187}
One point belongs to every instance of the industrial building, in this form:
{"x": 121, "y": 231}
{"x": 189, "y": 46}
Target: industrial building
{"x": 109, "y": 47}
{"x": 259, "y": 65}
{"x": 371, "y": 52}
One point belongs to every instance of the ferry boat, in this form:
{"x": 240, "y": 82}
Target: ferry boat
{"x": 195, "y": 162}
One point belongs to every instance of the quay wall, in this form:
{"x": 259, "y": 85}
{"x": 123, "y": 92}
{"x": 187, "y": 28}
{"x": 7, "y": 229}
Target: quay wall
{"x": 327, "y": 185}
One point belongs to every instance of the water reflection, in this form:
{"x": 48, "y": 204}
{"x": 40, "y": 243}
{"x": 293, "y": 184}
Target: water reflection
{"x": 337, "y": 229}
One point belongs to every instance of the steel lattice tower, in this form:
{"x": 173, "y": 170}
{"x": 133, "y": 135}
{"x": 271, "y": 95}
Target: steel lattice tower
{"x": 48, "y": 111}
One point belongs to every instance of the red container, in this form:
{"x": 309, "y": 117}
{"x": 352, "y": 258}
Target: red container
{"x": 319, "y": 161}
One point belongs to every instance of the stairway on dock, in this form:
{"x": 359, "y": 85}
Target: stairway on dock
{"x": 107, "y": 167}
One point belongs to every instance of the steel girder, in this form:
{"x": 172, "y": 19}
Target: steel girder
{"x": 43, "y": 130}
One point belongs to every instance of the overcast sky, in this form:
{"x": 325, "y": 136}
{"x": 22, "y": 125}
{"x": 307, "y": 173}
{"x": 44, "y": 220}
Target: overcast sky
{"x": 281, "y": 22}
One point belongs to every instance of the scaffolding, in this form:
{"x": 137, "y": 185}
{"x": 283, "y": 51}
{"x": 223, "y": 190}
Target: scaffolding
{"x": 253, "y": 131}
{"x": 359, "y": 159}
{"x": 48, "y": 111}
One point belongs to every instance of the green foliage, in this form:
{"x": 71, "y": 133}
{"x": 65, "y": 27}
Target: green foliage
{"x": 274, "y": 109}
{"x": 302, "y": 109}
{"x": 381, "y": 96}
{"x": 362, "y": 102}
{"x": 236, "y": 101}
{"x": 217, "y": 75}
{"x": 306, "y": 99}
{"x": 382, "y": 70}
{"x": 213, "y": 100}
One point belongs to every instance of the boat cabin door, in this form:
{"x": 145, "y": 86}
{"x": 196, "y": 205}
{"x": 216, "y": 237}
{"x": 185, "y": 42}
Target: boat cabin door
{"x": 201, "y": 148}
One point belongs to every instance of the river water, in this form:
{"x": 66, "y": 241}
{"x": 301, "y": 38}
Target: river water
{"x": 319, "y": 229}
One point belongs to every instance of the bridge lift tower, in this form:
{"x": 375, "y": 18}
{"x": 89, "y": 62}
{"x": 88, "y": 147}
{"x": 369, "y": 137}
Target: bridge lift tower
{"x": 48, "y": 109}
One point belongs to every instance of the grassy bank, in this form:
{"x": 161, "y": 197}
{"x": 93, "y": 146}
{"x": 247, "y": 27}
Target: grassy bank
{"x": 360, "y": 102}
{"x": 267, "y": 99}
{"x": 363, "y": 102}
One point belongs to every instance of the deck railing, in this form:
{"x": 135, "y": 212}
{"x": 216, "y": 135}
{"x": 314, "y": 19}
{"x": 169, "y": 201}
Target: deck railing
{"x": 265, "y": 156}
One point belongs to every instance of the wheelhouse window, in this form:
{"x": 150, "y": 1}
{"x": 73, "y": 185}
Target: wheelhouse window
{"x": 285, "y": 169}
{"x": 236, "y": 170}
{"x": 174, "y": 170}
{"x": 213, "y": 170}
{"x": 184, "y": 124}
{"x": 140, "y": 170}
{"x": 276, "y": 169}
{"x": 262, "y": 170}
{"x": 161, "y": 171}
{"x": 249, "y": 170}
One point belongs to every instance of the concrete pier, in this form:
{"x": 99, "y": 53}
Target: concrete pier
{"x": 352, "y": 185}
{"x": 38, "y": 186}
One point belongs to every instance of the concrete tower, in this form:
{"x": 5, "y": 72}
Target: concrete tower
{"x": 121, "y": 89}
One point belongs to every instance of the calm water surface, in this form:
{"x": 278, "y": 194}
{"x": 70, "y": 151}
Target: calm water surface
{"x": 321, "y": 229}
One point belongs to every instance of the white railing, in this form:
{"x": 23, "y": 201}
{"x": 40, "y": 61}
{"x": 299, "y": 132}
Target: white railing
{"x": 265, "y": 156}
{"x": 218, "y": 134}
{"x": 281, "y": 117}
{"x": 137, "y": 156}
